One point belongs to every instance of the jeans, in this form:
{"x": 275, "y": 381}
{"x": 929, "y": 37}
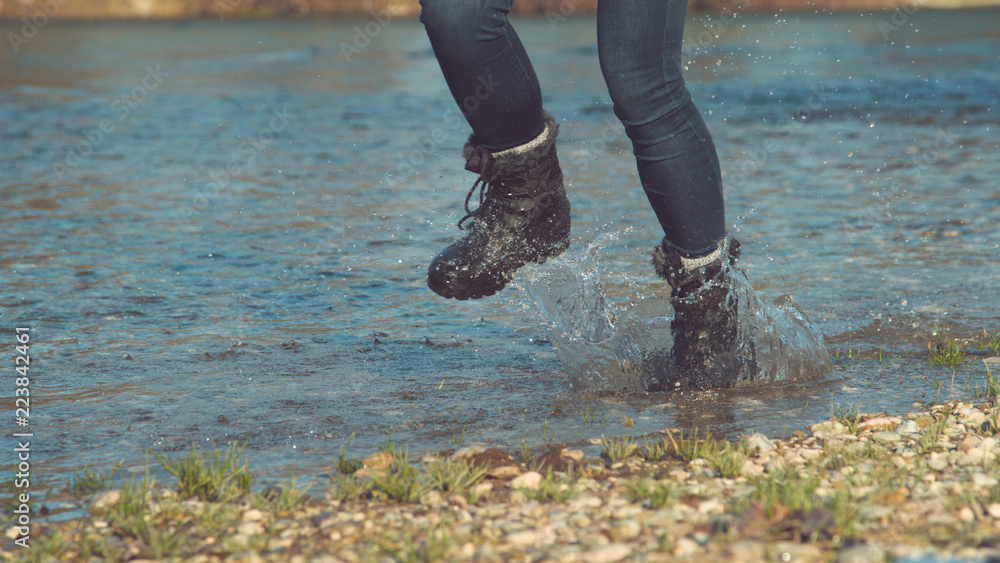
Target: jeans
{"x": 639, "y": 45}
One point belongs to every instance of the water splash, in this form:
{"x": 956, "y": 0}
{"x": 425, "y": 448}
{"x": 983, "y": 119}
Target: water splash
{"x": 627, "y": 351}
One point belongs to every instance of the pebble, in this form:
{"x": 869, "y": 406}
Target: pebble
{"x": 485, "y": 554}
{"x": 686, "y": 547}
{"x": 379, "y": 460}
{"x": 611, "y": 553}
{"x": 879, "y": 422}
{"x": 747, "y": 551}
{"x": 885, "y": 438}
{"x": 759, "y": 444}
{"x": 776, "y": 465}
{"x": 827, "y": 428}
{"x": 662, "y": 518}
{"x": 102, "y": 501}
{"x": 976, "y": 456}
{"x": 467, "y": 452}
{"x": 751, "y": 469}
{"x": 483, "y": 488}
{"x": 908, "y": 427}
{"x": 875, "y": 513}
{"x": 711, "y": 506}
{"x": 966, "y": 515}
{"x": 811, "y": 454}
{"x": 250, "y": 528}
{"x": 864, "y": 553}
{"x": 253, "y": 515}
{"x": 798, "y": 552}
{"x": 530, "y": 480}
{"x": 523, "y": 538}
{"x": 585, "y": 502}
{"x": 984, "y": 481}
{"x": 504, "y": 472}
{"x": 974, "y": 419}
{"x": 432, "y": 498}
{"x": 968, "y": 443}
{"x": 627, "y": 530}
{"x": 938, "y": 464}
{"x": 994, "y": 510}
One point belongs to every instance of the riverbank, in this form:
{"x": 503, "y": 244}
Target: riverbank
{"x": 243, "y": 9}
{"x": 857, "y": 487}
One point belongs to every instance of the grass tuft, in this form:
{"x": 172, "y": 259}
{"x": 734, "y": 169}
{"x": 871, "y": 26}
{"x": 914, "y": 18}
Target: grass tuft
{"x": 692, "y": 447}
{"x": 131, "y": 516}
{"x": 347, "y": 465}
{"x": 348, "y": 487}
{"x": 216, "y": 477}
{"x": 786, "y": 489}
{"x": 90, "y": 481}
{"x": 850, "y": 416}
{"x": 282, "y": 498}
{"x": 991, "y": 387}
{"x": 948, "y": 354}
{"x": 551, "y": 489}
{"x": 655, "y": 450}
{"x": 617, "y": 449}
{"x": 729, "y": 460}
{"x": 929, "y": 438}
{"x": 401, "y": 482}
{"x": 446, "y": 475}
{"x": 656, "y": 496}
{"x": 989, "y": 341}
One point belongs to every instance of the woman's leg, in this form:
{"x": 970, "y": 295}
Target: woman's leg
{"x": 640, "y": 48}
{"x": 639, "y": 42}
{"x": 486, "y": 68}
{"x": 524, "y": 214}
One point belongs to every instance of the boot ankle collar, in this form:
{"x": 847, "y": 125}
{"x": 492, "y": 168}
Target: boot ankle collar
{"x": 493, "y": 165}
{"x": 682, "y": 272}
{"x": 695, "y": 263}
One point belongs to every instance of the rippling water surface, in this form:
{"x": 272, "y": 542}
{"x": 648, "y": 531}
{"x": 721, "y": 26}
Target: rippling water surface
{"x": 221, "y": 231}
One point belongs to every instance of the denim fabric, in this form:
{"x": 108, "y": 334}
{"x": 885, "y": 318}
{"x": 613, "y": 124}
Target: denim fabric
{"x": 639, "y": 45}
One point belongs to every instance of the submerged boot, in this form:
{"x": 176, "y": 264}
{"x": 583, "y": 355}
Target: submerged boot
{"x": 706, "y": 352}
{"x": 523, "y": 216}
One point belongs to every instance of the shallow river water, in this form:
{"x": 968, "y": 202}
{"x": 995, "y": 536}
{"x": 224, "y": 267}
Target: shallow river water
{"x": 220, "y": 232}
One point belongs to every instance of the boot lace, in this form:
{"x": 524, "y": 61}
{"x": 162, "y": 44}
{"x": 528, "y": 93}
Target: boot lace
{"x": 486, "y": 189}
{"x": 485, "y": 192}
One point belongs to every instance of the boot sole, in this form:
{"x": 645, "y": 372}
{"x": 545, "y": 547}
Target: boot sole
{"x": 486, "y": 284}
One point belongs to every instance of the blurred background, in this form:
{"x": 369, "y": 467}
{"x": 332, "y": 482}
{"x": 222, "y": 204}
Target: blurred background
{"x": 188, "y": 9}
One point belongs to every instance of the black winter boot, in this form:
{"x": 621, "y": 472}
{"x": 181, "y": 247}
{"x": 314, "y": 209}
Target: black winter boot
{"x": 705, "y": 327}
{"x": 523, "y": 216}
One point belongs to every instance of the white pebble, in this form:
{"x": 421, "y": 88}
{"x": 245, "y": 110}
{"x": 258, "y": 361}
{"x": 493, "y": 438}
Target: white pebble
{"x": 760, "y": 443}
{"x": 994, "y": 510}
{"x": 984, "y": 481}
{"x": 610, "y": 553}
{"x": 523, "y": 538}
{"x": 686, "y": 547}
{"x": 530, "y": 480}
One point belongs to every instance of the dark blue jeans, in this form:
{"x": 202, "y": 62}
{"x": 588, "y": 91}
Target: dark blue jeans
{"x": 639, "y": 44}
